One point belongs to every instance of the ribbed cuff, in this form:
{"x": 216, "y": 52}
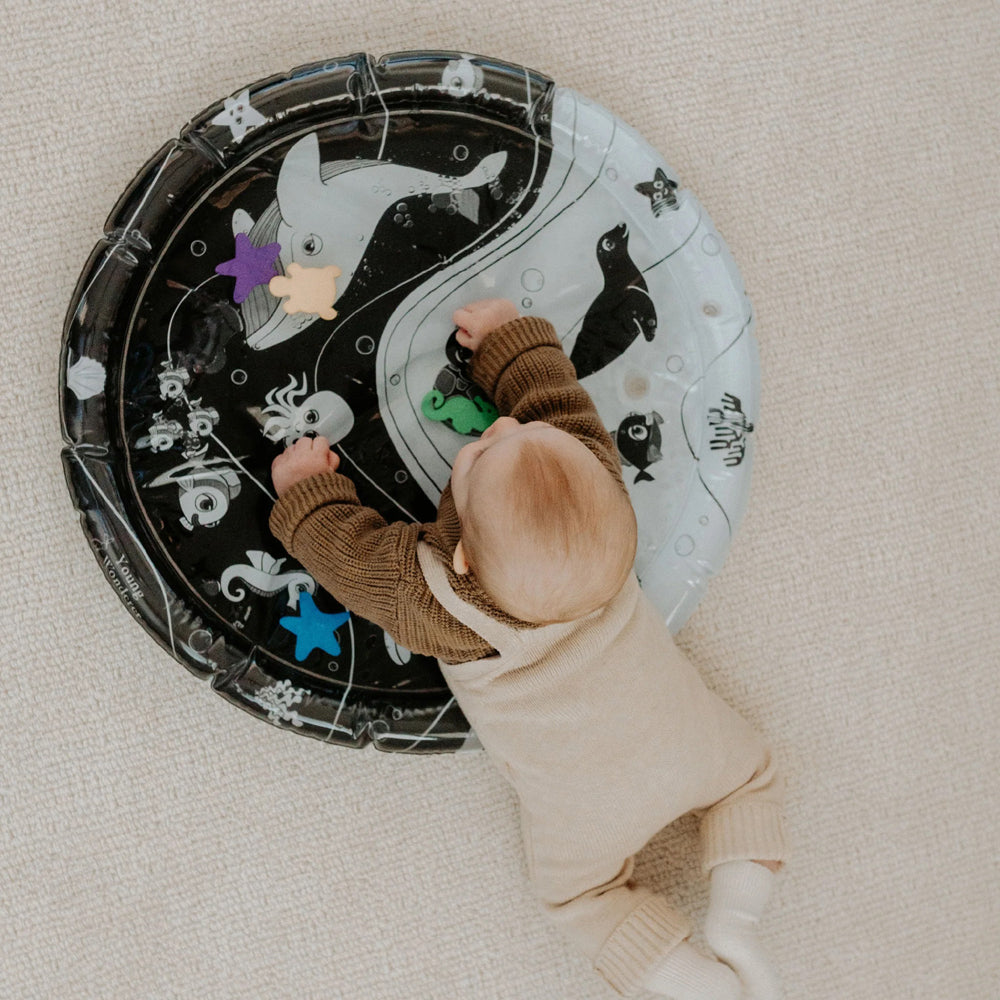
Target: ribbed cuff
{"x": 503, "y": 344}
{"x": 306, "y": 496}
{"x": 650, "y": 930}
{"x": 743, "y": 831}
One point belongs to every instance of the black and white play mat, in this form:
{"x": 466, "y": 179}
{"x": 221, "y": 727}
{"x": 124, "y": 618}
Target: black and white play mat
{"x": 290, "y": 264}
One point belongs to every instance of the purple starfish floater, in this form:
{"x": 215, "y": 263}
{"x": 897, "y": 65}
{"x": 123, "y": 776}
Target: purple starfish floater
{"x": 252, "y": 266}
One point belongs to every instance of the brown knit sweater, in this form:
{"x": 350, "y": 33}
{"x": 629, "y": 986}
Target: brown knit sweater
{"x": 371, "y": 567}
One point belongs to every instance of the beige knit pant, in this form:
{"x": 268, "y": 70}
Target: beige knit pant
{"x": 586, "y": 886}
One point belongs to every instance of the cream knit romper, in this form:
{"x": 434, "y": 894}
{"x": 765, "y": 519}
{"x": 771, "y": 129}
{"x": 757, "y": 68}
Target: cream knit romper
{"x": 608, "y": 733}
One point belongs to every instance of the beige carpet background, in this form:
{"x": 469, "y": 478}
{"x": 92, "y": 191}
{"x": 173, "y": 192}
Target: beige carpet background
{"x": 156, "y": 842}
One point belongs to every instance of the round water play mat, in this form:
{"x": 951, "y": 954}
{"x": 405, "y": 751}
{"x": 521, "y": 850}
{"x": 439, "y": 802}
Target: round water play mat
{"x": 289, "y": 264}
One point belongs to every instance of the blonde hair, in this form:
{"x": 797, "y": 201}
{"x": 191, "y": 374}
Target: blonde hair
{"x": 556, "y": 541}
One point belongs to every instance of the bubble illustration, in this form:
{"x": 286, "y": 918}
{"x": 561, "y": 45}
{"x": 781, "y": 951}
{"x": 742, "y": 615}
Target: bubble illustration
{"x": 532, "y": 279}
{"x": 684, "y": 545}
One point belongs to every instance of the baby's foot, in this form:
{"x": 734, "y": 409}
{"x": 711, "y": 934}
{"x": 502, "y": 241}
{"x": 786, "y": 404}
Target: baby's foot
{"x": 685, "y": 974}
{"x": 740, "y": 891}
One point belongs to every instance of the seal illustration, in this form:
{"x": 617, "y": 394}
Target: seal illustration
{"x": 622, "y": 310}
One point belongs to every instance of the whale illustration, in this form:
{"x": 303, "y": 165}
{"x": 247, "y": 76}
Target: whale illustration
{"x": 326, "y": 214}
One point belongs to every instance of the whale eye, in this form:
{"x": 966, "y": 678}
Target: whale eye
{"x": 607, "y": 244}
{"x": 638, "y": 432}
{"x": 312, "y": 245}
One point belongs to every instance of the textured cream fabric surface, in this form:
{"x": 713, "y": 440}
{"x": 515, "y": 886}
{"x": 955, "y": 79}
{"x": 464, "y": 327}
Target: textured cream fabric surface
{"x": 156, "y": 842}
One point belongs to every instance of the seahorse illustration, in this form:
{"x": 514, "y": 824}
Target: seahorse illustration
{"x": 263, "y": 576}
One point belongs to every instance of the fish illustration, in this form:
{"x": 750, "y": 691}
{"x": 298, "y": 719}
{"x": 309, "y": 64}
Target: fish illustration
{"x": 621, "y": 311}
{"x": 163, "y": 434}
{"x": 326, "y": 214}
{"x": 638, "y": 440}
{"x": 174, "y": 379}
{"x": 262, "y": 574}
{"x": 206, "y": 488}
{"x": 462, "y": 76}
{"x": 202, "y": 419}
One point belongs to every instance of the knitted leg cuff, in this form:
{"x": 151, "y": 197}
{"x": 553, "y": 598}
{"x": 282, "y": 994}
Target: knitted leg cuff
{"x": 652, "y": 929}
{"x": 743, "y": 831}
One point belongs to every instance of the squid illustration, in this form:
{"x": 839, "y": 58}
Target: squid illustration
{"x": 291, "y": 417}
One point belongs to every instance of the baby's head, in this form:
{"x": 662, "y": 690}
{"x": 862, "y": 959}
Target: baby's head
{"x": 548, "y": 532}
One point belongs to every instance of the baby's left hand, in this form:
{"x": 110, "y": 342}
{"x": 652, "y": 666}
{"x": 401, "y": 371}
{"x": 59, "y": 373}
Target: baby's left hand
{"x": 477, "y": 319}
{"x": 307, "y": 457}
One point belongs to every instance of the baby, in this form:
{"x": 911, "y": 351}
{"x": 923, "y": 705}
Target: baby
{"x": 523, "y": 589}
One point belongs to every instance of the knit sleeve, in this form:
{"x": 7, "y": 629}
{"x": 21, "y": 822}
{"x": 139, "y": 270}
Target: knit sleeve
{"x": 369, "y": 565}
{"x": 525, "y": 371}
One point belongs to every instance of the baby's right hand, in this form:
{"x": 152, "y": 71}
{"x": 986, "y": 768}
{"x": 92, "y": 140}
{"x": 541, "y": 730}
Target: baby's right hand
{"x": 477, "y": 319}
{"x": 307, "y": 457}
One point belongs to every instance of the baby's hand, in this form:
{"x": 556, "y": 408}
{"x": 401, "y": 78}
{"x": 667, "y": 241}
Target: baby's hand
{"x": 307, "y": 457}
{"x": 477, "y": 319}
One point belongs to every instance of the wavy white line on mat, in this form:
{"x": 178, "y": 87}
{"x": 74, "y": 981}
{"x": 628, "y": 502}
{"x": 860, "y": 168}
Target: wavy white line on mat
{"x": 243, "y": 468}
{"x": 350, "y": 679}
{"x": 425, "y": 735}
{"x": 190, "y": 291}
{"x": 437, "y": 267}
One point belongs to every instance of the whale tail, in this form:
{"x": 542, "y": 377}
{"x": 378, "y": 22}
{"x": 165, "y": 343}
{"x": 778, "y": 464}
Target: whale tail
{"x": 459, "y": 194}
{"x": 486, "y": 171}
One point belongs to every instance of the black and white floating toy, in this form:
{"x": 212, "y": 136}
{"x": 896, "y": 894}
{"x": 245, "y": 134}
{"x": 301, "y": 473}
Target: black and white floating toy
{"x": 290, "y": 263}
